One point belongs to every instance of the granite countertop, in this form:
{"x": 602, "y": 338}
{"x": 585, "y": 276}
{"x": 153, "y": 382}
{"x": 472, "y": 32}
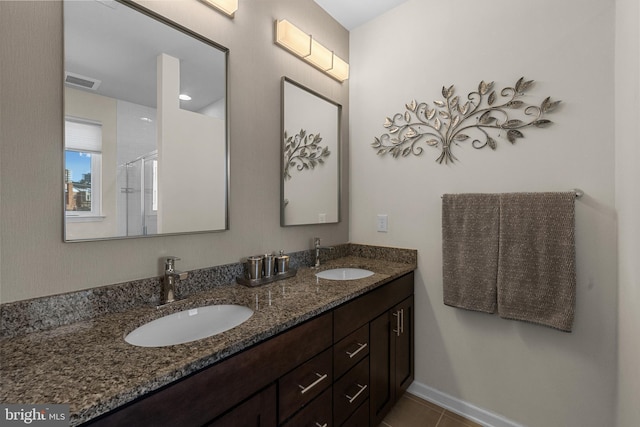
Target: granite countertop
{"x": 89, "y": 366}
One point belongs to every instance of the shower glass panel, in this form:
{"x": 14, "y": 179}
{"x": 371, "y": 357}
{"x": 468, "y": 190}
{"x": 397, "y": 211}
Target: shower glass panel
{"x": 141, "y": 195}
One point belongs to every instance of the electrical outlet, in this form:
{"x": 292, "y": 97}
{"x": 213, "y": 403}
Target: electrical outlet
{"x": 322, "y": 218}
{"x": 383, "y": 223}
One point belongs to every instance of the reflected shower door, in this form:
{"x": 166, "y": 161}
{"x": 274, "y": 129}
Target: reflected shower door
{"x": 150, "y": 202}
{"x": 142, "y": 195}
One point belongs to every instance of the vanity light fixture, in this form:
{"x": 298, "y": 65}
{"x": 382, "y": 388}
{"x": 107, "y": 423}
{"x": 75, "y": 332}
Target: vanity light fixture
{"x": 301, "y": 44}
{"x": 228, "y": 7}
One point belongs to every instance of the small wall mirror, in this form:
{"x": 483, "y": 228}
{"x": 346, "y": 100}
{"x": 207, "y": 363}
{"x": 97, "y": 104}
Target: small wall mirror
{"x": 310, "y": 157}
{"x": 145, "y": 104}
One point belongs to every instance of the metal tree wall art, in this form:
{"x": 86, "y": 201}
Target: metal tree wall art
{"x": 303, "y": 151}
{"x": 453, "y": 120}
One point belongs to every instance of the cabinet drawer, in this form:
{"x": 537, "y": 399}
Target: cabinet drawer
{"x": 350, "y": 391}
{"x": 350, "y": 350}
{"x": 317, "y": 413}
{"x": 360, "y": 418}
{"x": 258, "y": 411}
{"x": 304, "y": 383}
{"x": 350, "y": 316}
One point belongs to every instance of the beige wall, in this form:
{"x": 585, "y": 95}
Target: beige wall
{"x": 530, "y": 374}
{"x": 36, "y": 262}
{"x": 628, "y": 206}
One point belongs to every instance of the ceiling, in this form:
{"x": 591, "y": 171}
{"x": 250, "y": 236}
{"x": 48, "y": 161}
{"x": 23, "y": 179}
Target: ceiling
{"x": 353, "y": 13}
{"x": 109, "y": 41}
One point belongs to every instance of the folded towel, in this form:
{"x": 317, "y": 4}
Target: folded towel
{"x": 536, "y": 268}
{"x": 470, "y": 227}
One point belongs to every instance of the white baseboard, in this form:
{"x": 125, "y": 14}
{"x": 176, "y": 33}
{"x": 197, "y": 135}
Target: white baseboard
{"x": 460, "y": 407}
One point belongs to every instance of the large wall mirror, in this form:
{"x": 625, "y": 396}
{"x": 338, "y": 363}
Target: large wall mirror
{"x": 145, "y": 105}
{"x": 310, "y": 157}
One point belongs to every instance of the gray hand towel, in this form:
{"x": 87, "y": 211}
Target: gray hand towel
{"x": 536, "y": 267}
{"x": 470, "y": 226}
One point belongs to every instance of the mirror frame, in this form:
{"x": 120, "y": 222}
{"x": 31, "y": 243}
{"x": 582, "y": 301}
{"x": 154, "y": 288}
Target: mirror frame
{"x": 286, "y": 80}
{"x": 223, "y": 50}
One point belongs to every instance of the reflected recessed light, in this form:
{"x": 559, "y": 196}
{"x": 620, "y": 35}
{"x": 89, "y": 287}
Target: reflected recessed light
{"x": 146, "y": 119}
{"x": 184, "y": 97}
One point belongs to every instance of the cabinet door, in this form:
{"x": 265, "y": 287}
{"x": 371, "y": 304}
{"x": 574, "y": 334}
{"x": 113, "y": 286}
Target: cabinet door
{"x": 380, "y": 358}
{"x": 258, "y": 411}
{"x": 391, "y": 358}
{"x": 403, "y": 342}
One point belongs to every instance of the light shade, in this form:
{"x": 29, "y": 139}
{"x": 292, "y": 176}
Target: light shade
{"x": 305, "y": 47}
{"x": 293, "y": 38}
{"x": 228, "y": 7}
{"x": 340, "y": 69}
{"x": 320, "y": 56}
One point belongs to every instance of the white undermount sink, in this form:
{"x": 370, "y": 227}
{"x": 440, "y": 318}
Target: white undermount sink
{"x": 344, "y": 274}
{"x": 189, "y": 325}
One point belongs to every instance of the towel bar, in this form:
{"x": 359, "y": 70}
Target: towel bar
{"x": 578, "y": 192}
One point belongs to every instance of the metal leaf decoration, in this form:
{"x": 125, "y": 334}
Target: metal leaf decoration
{"x": 303, "y": 151}
{"x": 451, "y": 121}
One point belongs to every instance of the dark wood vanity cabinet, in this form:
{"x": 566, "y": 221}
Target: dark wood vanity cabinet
{"x": 344, "y": 368}
{"x": 392, "y": 363}
{"x": 387, "y": 314}
{"x": 403, "y": 347}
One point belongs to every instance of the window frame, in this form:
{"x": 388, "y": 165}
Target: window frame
{"x": 95, "y": 214}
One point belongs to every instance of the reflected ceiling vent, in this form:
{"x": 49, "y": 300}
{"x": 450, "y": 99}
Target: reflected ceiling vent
{"x": 84, "y": 82}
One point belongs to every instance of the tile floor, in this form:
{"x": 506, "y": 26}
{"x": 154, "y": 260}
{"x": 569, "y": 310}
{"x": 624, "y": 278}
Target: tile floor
{"x": 411, "y": 411}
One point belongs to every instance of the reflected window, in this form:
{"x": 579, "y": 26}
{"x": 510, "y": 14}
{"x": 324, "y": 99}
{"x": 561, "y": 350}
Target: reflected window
{"x": 83, "y": 169}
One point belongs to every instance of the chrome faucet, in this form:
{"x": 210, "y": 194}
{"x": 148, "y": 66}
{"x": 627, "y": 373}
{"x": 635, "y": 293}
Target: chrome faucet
{"x": 171, "y": 276}
{"x": 316, "y": 245}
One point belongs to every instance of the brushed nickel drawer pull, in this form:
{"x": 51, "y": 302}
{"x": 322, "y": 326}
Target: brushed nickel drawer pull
{"x": 402, "y": 320}
{"x": 397, "y": 329}
{"x": 355, "y": 396}
{"x": 323, "y": 425}
{"x": 352, "y": 354}
{"x": 304, "y": 389}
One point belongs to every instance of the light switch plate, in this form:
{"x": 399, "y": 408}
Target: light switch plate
{"x": 383, "y": 223}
